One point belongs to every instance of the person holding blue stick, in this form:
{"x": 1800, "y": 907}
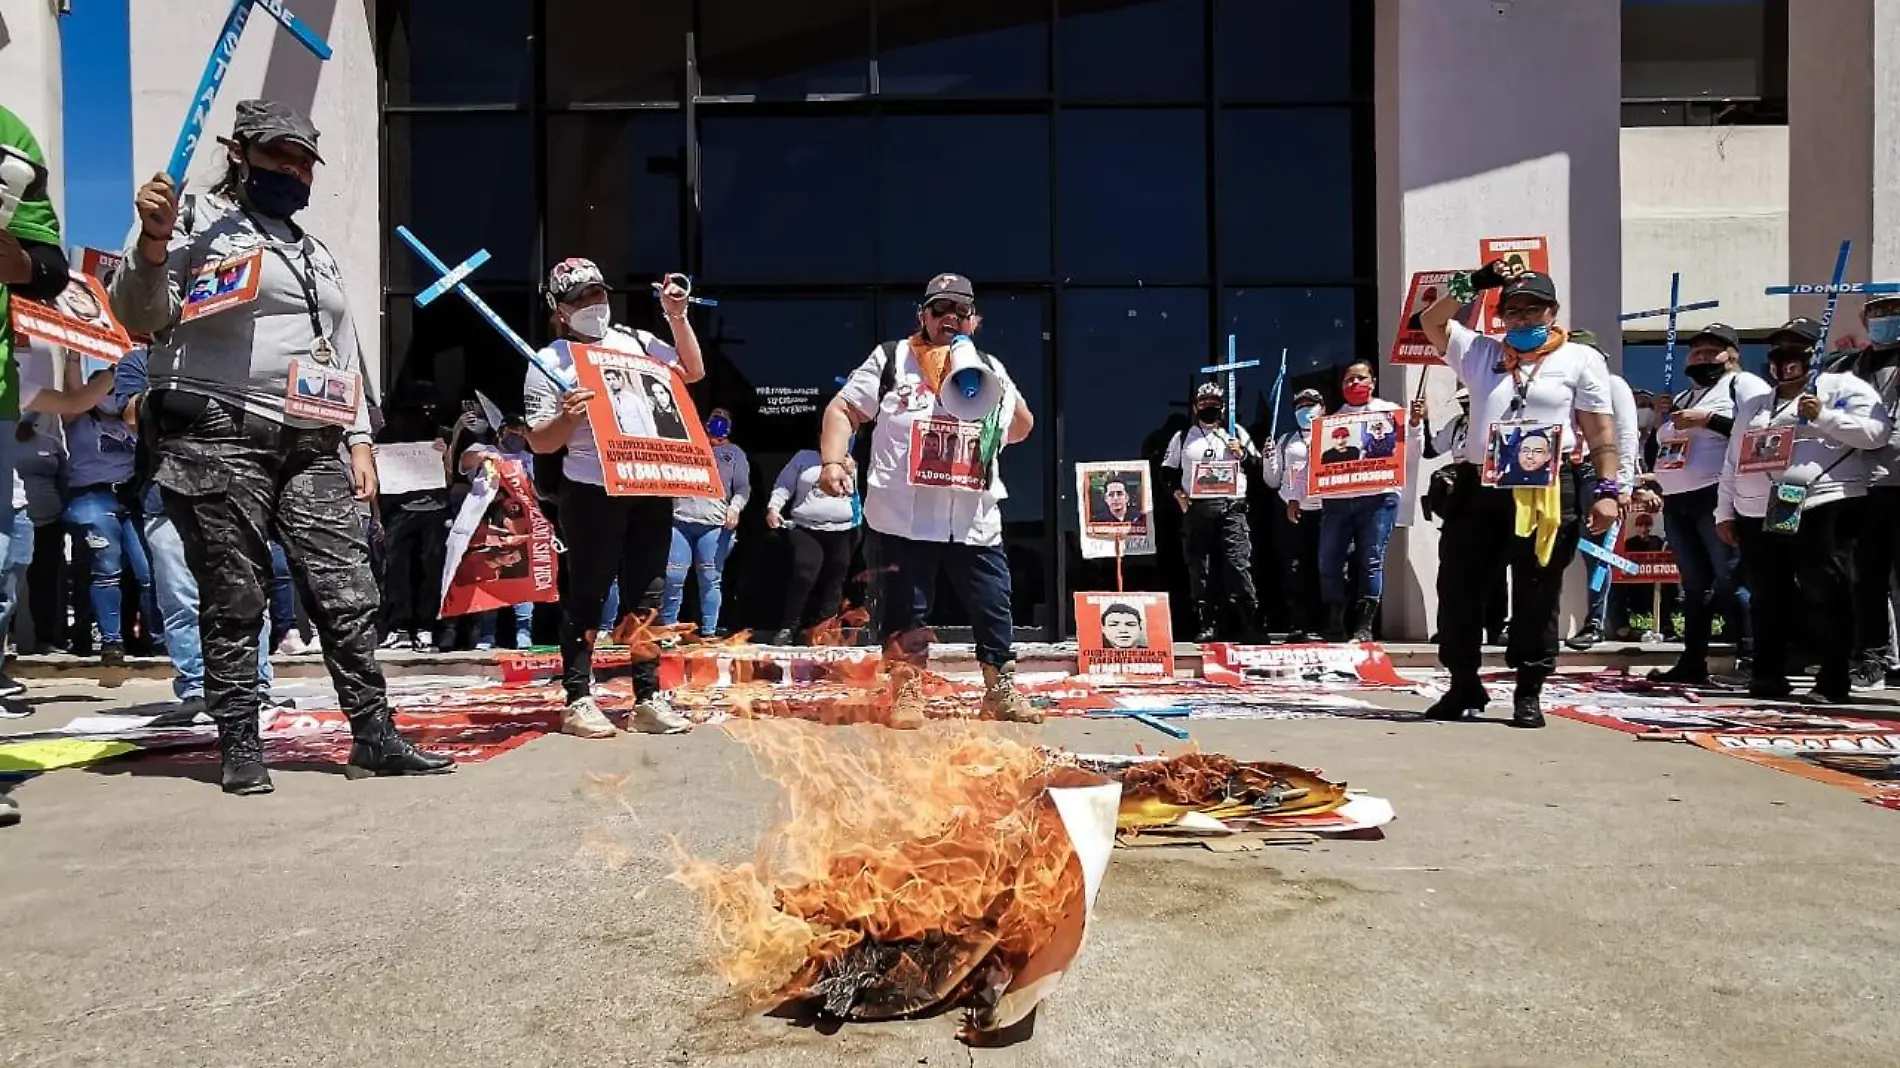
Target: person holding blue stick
{"x": 1877, "y": 548}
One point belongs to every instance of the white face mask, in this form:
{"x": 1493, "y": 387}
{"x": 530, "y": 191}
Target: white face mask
{"x": 1646, "y": 419}
{"x": 590, "y": 321}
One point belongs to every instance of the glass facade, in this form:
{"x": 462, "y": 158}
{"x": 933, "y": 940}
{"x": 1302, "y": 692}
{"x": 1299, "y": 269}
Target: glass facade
{"x": 1127, "y": 182}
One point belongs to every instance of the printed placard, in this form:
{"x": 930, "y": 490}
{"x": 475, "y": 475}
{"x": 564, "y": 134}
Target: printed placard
{"x": 98, "y": 263}
{"x": 1672, "y": 455}
{"x": 1213, "y": 479}
{"x": 1766, "y": 451}
{"x": 947, "y": 454}
{"x": 224, "y": 285}
{"x": 501, "y": 549}
{"x": 1530, "y": 253}
{"x": 1127, "y": 636}
{"x": 411, "y": 467}
{"x": 1357, "y": 454}
{"x": 1642, "y": 543}
{"x": 1523, "y": 455}
{"x": 320, "y": 394}
{"x": 1412, "y": 346}
{"x": 1091, "y": 494}
{"x": 650, "y": 438}
{"x": 79, "y": 319}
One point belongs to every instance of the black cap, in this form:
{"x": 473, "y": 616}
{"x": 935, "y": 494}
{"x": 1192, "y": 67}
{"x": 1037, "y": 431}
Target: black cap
{"x": 264, "y": 122}
{"x": 1720, "y": 333}
{"x": 1530, "y": 284}
{"x": 1804, "y": 330}
{"x": 950, "y": 287}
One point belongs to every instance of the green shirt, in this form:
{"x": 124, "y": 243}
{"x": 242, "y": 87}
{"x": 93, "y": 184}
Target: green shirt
{"x": 33, "y": 221}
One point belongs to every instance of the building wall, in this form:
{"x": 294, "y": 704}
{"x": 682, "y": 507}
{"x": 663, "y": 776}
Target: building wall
{"x": 1712, "y": 203}
{"x": 30, "y": 70}
{"x": 1831, "y": 60}
{"x": 169, "y": 40}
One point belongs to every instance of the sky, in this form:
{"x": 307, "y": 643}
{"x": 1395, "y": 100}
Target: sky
{"x": 97, "y": 82}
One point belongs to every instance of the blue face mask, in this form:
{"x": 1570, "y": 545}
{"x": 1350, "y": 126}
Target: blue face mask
{"x": 719, "y": 427}
{"x": 1528, "y": 338}
{"x": 1885, "y": 330}
{"x": 1305, "y": 417}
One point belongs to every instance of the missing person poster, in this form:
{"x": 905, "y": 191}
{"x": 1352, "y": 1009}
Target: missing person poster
{"x": 1358, "y": 454}
{"x": 1114, "y": 502}
{"x": 1766, "y": 451}
{"x": 1530, "y": 253}
{"x": 1641, "y": 542}
{"x": 1523, "y": 455}
{"x": 1125, "y": 636}
{"x": 947, "y": 454}
{"x": 79, "y": 319}
{"x": 501, "y": 548}
{"x": 1412, "y": 346}
{"x": 1215, "y": 479}
{"x": 650, "y": 439}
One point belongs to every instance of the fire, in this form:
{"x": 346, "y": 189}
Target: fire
{"x": 914, "y": 869}
{"x": 841, "y": 629}
{"x": 644, "y": 636}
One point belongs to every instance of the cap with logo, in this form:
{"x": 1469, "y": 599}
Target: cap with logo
{"x": 1210, "y": 391}
{"x": 950, "y": 287}
{"x": 266, "y": 122}
{"x": 570, "y": 277}
{"x": 1308, "y": 396}
{"x": 1529, "y": 284}
{"x": 1802, "y": 330}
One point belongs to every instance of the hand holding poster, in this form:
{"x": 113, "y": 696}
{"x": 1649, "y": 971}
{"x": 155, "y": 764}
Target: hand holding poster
{"x": 1114, "y": 501}
{"x": 649, "y": 436}
{"x": 1358, "y": 453}
{"x": 411, "y": 467}
{"x": 501, "y": 548}
{"x": 1530, "y": 253}
{"x": 79, "y": 319}
{"x": 1124, "y": 636}
{"x": 1642, "y": 543}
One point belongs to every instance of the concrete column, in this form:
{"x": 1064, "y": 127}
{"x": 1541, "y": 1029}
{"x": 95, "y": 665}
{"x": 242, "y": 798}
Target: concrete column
{"x": 169, "y": 44}
{"x": 1834, "y": 51}
{"x": 30, "y": 70}
{"x": 1495, "y": 118}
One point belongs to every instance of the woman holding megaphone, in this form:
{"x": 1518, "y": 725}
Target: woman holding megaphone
{"x": 944, "y": 411}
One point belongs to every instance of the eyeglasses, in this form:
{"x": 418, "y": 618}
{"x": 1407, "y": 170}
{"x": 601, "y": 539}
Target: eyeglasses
{"x": 944, "y": 309}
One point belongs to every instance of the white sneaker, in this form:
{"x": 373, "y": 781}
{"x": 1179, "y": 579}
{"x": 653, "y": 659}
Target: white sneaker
{"x": 292, "y": 645}
{"x": 583, "y": 719}
{"x": 655, "y": 715}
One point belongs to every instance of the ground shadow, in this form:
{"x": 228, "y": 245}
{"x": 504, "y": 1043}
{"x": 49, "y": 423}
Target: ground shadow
{"x": 165, "y": 766}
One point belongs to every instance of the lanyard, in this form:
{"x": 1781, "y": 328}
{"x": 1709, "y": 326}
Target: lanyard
{"x": 1521, "y": 386}
{"x": 306, "y": 280}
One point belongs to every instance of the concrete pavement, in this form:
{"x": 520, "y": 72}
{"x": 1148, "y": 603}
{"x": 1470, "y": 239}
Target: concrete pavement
{"x": 1558, "y": 898}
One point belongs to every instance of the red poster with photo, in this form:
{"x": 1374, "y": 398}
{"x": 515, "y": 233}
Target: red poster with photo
{"x": 1767, "y": 451}
{"x": 79, "y": 319}
{"x": 1642, "y": 543}
{"x": 947, "y": 454}
{"x": 1532, "y": 253}
{"x": 501, "y": 548}
{"x": 1126, "y": 636}
{"x": 649, "y": 436}
{"x": 1412, "y": 346}
{"x": 1357, "y": 454}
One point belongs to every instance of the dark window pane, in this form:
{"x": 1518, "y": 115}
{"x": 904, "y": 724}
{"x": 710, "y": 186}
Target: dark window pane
{"x": 1685, "y": 51}
{"x": 1116, "y": 50}
{"x": 984, "y": 47}
{"x": 965, "y": 193}
{"x": 777, "y": 50}
{"x": 450, "y": 345}
{"x": 616, "y": 191}
{"x": 1286, "y": 194}
{"x": 1273, "y": 50}
{"x": 787, "y": 198}
{"x": 617, "y": 52}
{"x": 1133, "y": 195}
{"x": 459, "y": 182}
{"x": 459, "y": 51}
{"x": 1316, "y": 327}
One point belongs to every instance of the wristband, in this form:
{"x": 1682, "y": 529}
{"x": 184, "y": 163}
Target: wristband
{"x": 1608, "y": 488}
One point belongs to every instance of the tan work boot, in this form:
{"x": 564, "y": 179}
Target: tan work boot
{"x": 907, "y": 698}
{"x": 1002, "y": 701}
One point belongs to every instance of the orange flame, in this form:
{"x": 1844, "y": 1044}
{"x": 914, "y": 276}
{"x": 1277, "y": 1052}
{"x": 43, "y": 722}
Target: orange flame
{"x": 944, "y": 833}
{"x": 841, "y": 629}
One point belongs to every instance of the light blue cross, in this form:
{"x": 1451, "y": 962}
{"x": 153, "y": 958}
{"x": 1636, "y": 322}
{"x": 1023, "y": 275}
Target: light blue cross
{"x": 1232, "y": 365}
{"x": 1676, "y": 307}
{"x": 218, "y": 63}
{"x": 456, "y": 280}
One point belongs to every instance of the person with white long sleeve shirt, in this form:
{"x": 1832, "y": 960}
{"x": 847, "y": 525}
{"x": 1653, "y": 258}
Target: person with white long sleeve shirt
{"x": 1283, "y": 468}
{"x": 1877, "y": 543}
{"x": 704, "y": 530}
{"x": 1628, "y": 442}
{"x": 1791, "y": 523}
{"x": 823, "y": 531}
{"x": 1360, "y": 521}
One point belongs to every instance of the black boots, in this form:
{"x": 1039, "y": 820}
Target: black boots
{"x": 782, "y": 638}
{"x": 242, "y": 753}
{"x": 379, "y": 750}
{"x": 1527, "y": 701}
{"x": 1334, "y": 629}
{"x": 1368, "y": 611}
{"x": 1467, "y": 696}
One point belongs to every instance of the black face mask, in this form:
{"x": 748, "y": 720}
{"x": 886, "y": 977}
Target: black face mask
{"x": 1209, "y": 413}
{"x": 1794, "y": 362}
{"x": 275, "y": 193}
{"x": 1705, "y": 374}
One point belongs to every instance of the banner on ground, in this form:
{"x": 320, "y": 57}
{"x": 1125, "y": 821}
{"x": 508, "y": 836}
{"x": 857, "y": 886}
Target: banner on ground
{"x": 1868, "y": 763}
{"x": 1530, "y": 253}
{"x": 79, "y": 319}
{"x": 1356, "y": 454}
{"x": 1412, "y": 346}
{"x": 1677, "y": 719}
{"x": 1115, "y": 502}
{"x": 501, "y": 548}
{"x": 648, "y": 434}
{"x": 1364, "y": 663}
{"x": 1124, "y": 636}
{"x": 1642, "y": 543}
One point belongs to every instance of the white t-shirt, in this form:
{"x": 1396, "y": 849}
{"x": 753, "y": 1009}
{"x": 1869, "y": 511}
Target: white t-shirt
{"x": 891, "y": 504}
{"x": 1572, "y": 378}
{"x": 1629, "y": 433}
{"x": 1285, "y": 470}
{"x": 1826, "y": 452}
{"x": 543, "y": 401}
{"x": 1688, "y": 460}
{"x": 1206, "y": 443}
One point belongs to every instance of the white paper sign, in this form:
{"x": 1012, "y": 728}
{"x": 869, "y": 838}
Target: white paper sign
{"x": 410, "y": 467}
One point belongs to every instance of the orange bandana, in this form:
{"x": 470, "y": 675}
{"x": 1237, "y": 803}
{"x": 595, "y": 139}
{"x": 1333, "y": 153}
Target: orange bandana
{"x": 933, "y": 360}
{"x": 1514, "y": 359}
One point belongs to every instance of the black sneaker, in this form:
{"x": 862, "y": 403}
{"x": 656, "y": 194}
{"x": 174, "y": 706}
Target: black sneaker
{"x": 11, "y": 687}
{"x": 183, "y": 715}
{"x": 112, "y": 654}
{"x": 9, "y": 810}
{"x": 1587, "y": 638}
{"x": 1457, "y": 703}
{"x": 1527, "y": 710}
{"x": 1828, "y": 695}
{"x": 1770, "y": 690}
{"x": 1683, "y": 673}
{"x": 1867, "y": 675}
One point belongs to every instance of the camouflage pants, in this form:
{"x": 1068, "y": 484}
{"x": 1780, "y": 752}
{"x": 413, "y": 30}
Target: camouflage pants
{"x": 232, "y": 482}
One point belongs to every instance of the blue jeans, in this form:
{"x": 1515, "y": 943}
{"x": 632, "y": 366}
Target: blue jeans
{"x": 703, "y": 549}
{"x": 16, "y": 539}
{"x": 610, "y": 608}
{"x": 1364, "y": 524}
{"x": 979, "y": 574}
{"x": 111, "y": 532}
{"x": 524, "y": 619}
{"x": 177, "y": 595}
{"x": 1710, "y": 569}
{"x": 283, "y": 602}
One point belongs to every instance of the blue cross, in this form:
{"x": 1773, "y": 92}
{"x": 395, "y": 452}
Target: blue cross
{"x": 1676, "y": 307}
{"x": 219, "y": 62}
{"x": 1230, "y": 367}
{"x": 1833, "y": 291}
{"x": 456, "y": 280}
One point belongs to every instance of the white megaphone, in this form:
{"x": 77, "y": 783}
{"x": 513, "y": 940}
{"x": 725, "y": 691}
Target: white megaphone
{"x": 971, "y": 391}
{"x": 17, "y": 176}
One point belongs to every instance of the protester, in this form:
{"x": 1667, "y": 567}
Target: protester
{"x": 1215, "y": 538}
{"x": 1685, "y": 479}
{"x": 233, "y": 466}
{"x": 1357, "y": 521}
{"x": 102, "y": 510}
{"x": 703, "y": 529}
{"x": 1877, "y": 545}
{"x": 1283, "y": 468}
{"x": 823, "y": 532}
{"x": 924, "y": 530}
{"x": 605, "y": 536}
{"x": 1534, "y": 378}
{"x": 1628, "y": 445}
{"x": 1449, "y": 440}
{"x": 1791, "y": 524}
{"x": 415, "y": 526}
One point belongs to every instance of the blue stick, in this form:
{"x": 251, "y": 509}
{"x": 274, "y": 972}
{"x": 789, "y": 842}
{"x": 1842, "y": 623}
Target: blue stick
{"x": 1669, "y": 340}
{"x": 1279, "y": 382}
{"x": 219, "y": 63}
{"x": 1810, "y": 290}
{"x": 1623, "y": 564}
{"x": 481, "y": 307}
{"x": 1603, "y": 573}
{"x": 1654, "y": 312}
{"x": 1833, "y": 301}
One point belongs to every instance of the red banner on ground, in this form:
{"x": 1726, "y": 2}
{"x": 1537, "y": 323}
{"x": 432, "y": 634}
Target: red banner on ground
{"x": 1866, "y": 763}
{"x": 1365, "y": 661}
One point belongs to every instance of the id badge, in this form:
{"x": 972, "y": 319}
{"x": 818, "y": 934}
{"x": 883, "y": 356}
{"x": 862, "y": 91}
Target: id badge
{"x": 1766, "y": 451}
{"x": 322, "y": 394}
{"x": 1523, "y": 455}
{"x": 1672, "y": 455}
{"x": 1784, "y": 508}
{"x": 223, "y": 285}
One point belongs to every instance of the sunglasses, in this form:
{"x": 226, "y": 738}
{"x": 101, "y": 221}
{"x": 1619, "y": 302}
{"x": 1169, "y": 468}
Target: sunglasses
{"x": 945, "y": 309}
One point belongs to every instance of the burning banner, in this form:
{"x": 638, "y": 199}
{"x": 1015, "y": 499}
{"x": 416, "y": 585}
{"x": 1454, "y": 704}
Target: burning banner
{"x": 501, "y": 548}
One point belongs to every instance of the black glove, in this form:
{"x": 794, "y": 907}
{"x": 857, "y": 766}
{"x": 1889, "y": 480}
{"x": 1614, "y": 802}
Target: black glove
{"x": 1493, "y": 275}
